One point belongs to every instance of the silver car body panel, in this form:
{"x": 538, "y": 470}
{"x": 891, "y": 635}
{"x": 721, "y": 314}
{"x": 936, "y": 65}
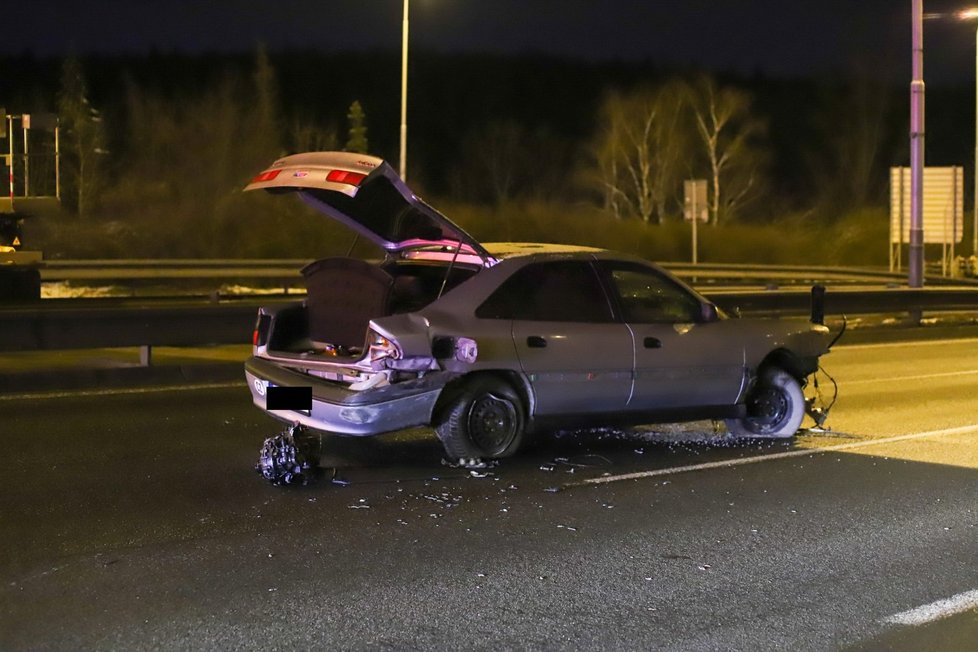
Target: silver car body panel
{"x": 577, "y": 362}
{"x": 677, "y": 365}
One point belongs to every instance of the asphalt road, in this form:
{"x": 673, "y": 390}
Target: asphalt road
{"x": 134, "y": 520}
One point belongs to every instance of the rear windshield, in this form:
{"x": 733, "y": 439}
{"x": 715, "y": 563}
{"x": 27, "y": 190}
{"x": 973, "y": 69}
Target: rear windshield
{"x": 380, "y": 208}
{"x": 418, "y": 284}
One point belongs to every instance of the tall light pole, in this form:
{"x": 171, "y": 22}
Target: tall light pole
{"x": 916, "y": 267}
{"x": 972, "y": 14}
{"x": 404, "y": 67}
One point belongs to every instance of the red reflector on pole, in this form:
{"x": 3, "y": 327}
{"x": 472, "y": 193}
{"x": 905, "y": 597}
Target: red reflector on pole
{"x": 267, "y": 175}
{"x": 343, "y": 176}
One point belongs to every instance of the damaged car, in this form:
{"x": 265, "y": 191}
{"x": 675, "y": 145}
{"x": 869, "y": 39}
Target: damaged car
{"x": 488, "y": 343}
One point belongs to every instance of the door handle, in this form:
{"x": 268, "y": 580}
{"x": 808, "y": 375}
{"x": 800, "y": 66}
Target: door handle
{"x": 536, "y": 342}
{"x": 652, "y": 343}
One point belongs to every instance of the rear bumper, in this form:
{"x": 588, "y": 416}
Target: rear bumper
{"x": 338, "y": 410}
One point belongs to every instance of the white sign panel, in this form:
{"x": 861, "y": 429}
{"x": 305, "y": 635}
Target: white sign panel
{"x": 694, "y": 201}
{"x": 943, "y": 214}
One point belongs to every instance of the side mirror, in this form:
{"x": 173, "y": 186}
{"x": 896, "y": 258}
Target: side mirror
{"x": 708, "y": 313}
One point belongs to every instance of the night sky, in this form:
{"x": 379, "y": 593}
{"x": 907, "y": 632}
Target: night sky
{"x": 772, "y": 37}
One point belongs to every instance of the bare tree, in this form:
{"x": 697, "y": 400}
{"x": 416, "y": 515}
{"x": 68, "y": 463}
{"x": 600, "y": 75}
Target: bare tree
{"x": 266, "y": 92}
{"x": 608, "y": 157}
{"x": 671, "y": 155}
{"x": 727, "y": 132}
{"x": 496, "y": 154}
{"x": 266, "y": 141}
{"x": 502, "y": 163}
{"x": 626, "y": 153}
{"x": 305, "y": 136}
{"x": 191, "y": 154}
{"x": 83, "y": 137}
{"x": 641, "y": 152}
{"x": 847, "y": 168}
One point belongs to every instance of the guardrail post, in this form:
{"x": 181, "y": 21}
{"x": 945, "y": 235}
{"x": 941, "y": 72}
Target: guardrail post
{"x": 146, "y": 355}
{"x": 818, "y": 304}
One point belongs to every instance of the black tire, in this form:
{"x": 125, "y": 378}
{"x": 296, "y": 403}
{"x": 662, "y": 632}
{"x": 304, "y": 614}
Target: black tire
{"x": 775, "y": 407}
{"x": 485, "y": 419}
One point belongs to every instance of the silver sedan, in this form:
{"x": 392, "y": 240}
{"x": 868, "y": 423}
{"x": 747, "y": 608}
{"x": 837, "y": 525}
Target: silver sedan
{"x": 489, "y": 342}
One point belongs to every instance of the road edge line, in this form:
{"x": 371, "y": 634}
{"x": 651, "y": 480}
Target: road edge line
{"x": 936, "y": 610}
{"x": 973, "y": 428}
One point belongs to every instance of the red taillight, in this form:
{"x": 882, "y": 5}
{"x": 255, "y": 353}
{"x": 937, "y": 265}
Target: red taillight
{"x": 343, "y": 176}
{"x": 260, "y": 335}
{"x": 267, "y": 175}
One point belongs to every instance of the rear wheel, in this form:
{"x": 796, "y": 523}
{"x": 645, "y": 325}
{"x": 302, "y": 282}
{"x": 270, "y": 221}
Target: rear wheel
{"x": 484, "y": 420}
{"x": 775, "y": 407}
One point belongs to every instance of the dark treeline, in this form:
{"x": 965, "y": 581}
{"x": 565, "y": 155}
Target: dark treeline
{"x": 827, "y": 143}
{"x": 451, "y": 96}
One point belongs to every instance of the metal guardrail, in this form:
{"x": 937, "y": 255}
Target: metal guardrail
{"x": 48, "y": 326}
{"x": 285, "y": 272}
{"x": 210, "y": 276}
{"x": 842, "y": 301}
{"x": 96, "y": 323}
{"x": 789, "y": 274}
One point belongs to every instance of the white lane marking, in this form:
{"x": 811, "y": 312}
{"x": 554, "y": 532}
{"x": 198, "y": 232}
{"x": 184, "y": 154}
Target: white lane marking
{"x": 774, "y": 456}
{"x": 118, "y": 392}
{"x": 892, "y": 345}
{"x": 890, "y": 379}
{"x": 936, "y": 610}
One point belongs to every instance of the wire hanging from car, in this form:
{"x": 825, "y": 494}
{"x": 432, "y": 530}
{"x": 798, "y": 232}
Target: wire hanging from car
{"x": 448, "y": 272}
{"x": 845, "y": 323}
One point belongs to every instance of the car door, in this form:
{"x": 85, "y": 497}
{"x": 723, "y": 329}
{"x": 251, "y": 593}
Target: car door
{"x": 681, "y": 359}
{"x": 577, "y": 358}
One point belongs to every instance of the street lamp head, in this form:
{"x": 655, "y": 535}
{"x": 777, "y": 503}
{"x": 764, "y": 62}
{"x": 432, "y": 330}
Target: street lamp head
{"x": 971, "y": 13}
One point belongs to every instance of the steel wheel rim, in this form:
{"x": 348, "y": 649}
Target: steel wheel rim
{"x": 492, "y": 424}
{"x": 768, "y": 407}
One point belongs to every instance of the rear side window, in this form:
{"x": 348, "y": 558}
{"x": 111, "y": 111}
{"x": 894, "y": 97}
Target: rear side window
{"x": 566, "y": 290}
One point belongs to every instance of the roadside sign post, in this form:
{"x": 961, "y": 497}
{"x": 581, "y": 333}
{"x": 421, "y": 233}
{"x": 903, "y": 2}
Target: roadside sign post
{"x": 9, "y": 135}
{"x": 25, "y": 122}
{"x": 695, "y": 209}
{"x": 942, "y": 211}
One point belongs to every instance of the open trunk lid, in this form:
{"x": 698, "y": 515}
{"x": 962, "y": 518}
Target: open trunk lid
{"x": 366, "y": 194}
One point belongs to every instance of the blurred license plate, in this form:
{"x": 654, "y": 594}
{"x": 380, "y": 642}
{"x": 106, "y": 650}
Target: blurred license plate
{"x": 298, "y": 399}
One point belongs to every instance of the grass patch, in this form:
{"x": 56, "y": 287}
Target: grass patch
{"x": 255, "y": 225}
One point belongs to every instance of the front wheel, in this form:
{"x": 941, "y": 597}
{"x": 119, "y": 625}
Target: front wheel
{"x": 485, "y": 420}
{"x": 775, "y": 407}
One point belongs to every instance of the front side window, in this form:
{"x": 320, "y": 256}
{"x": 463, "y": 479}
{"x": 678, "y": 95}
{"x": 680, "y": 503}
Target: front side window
{"x": 566, "y": 290}
{"x": 647, "y": 297}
